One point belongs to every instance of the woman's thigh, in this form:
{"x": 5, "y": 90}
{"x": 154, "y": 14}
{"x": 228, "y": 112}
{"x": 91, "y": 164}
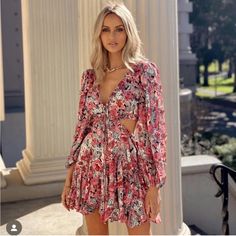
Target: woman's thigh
{"x": 95, "y": 225}
{"x": 143, "y": 229}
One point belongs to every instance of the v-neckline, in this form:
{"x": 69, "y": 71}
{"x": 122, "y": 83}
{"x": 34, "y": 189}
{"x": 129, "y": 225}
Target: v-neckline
{"x": 113, "y": 91}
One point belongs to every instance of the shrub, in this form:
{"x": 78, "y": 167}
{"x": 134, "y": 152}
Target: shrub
{"x": 219, "y": 145}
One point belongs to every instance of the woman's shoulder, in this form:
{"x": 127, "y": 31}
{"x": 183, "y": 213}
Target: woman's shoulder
{"x": 89, "y": 75}
{"x": 147, "y": 64}
{"x": 87, "y": 78}
{"x": 88, "y": 72}
{"x": 147, "y": 68}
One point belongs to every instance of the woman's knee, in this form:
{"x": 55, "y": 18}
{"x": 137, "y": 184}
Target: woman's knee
{"x": 95, "y": 224}
{"x": 143, "y": 229}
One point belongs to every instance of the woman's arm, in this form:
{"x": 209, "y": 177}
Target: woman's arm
{"x": 82, "y": 122}
{"x": 156, "y": 125}
{"x": 69, "y": 173}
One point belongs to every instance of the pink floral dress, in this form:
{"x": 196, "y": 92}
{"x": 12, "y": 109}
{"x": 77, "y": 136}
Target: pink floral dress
{"x": 113, "y": 167}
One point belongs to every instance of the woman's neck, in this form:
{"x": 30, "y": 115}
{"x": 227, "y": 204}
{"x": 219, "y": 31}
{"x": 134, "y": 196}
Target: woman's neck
{"x": 115, "y": 60}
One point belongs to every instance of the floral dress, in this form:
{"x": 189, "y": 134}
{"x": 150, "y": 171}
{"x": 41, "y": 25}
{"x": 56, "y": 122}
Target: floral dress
{"x": 113, "y": 167}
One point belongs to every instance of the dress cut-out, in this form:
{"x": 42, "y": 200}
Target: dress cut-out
{"x": 113, "y": 167}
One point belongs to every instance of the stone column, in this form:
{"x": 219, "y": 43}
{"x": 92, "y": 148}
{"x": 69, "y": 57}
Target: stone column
{"x": 158, "y": 26}
{"x": 52, "y": 76}
{"x": 157, "y": 22}
{"x": 187, "y": 58}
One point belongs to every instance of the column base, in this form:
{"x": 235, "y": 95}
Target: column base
{"x": 184, "y": 230}
{"x": 188, "y": 72}
{"x": 3, "y": 181}
{"x": 39, "y": 170}
{"x": 2, "y": 166}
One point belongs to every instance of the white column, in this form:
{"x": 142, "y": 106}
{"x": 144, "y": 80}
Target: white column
{"x": 52, "y": 77}
{"x": 88, "y": 11}
{"x": 157, "y": 22}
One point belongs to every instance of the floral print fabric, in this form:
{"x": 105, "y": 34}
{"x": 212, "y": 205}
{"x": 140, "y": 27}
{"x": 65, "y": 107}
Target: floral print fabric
{"x": 113, "y": 167}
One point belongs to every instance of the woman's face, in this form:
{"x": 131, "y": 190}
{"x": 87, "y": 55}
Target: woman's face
{"x": 113, "y": 35}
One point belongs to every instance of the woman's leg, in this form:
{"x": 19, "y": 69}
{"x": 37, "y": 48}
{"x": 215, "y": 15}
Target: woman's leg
{"x": 143, "y": 229}
{"x": 95, "y": 225}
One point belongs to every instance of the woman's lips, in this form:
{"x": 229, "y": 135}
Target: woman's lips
{"x": 112, "y": 44}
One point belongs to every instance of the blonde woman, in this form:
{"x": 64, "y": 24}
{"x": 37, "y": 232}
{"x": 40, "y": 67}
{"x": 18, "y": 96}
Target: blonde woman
{"x": 116, "y": 165}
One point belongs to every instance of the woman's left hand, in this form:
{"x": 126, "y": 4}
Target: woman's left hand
{"x": 152, "y": 202}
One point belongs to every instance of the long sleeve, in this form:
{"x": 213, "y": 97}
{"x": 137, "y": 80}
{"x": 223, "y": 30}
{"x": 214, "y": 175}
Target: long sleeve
{"x": 82, "y": 122}
{"x": 156, "y": 126}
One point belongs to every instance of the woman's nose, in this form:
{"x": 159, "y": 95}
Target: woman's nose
{"x": 112, "y": 34}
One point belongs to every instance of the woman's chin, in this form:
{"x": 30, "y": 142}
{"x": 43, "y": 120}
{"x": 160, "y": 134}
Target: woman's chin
{"x": 114, "y": 51}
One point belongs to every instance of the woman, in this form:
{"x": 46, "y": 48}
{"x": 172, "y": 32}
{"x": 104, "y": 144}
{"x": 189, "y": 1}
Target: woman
{"x": 116, "y": 165}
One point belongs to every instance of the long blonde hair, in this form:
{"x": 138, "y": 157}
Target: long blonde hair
{"x": 131, "y": 53}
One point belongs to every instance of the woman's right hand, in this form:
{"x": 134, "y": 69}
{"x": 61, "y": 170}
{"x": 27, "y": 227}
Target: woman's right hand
{"x": 67, "y": 186}
{"x": 64, "y": 197}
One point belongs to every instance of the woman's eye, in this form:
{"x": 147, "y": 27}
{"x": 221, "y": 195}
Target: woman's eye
{"x": 105, "y": 30}
{"x": 120, "y": 29}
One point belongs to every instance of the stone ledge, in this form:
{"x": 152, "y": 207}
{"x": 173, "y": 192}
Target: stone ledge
{"x": 197, "y": 164}
{"x": 16, "y": 190}
{"x": 202, "y": 164}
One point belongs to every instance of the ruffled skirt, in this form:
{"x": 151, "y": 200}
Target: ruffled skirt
{"x": 108, "y": 178}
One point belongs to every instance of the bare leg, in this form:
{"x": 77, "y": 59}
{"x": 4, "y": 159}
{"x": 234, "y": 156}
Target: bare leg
{"x": 143, "y": 229}
{"x": 94, "y": 224}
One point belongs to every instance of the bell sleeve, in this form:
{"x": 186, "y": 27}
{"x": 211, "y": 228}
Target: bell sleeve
{"x": 156, "y": 126}
{"x": 82, "y": 124}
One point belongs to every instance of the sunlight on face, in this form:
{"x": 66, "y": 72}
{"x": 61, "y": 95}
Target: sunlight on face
{"x": 113, "y": 35}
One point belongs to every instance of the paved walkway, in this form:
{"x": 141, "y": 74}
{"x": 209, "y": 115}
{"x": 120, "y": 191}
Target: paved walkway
{"x": 209, "y": 92}
{"x": 218, "y": 114}
{"x": 42, "y": 216}
{"x": 46, "y": 216}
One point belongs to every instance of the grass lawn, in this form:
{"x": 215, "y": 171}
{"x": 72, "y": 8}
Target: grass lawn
{"x": 213, "y": 67}
{"x": 220, "y": 84}
{"x": 216, "y": 83}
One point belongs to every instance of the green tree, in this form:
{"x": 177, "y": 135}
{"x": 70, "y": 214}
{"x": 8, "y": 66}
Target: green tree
{"x": 214, "y": 36}
{"x": 226, "y": 32}
{"x": 203, "y": 18}
{"x": 219, "y": 54}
